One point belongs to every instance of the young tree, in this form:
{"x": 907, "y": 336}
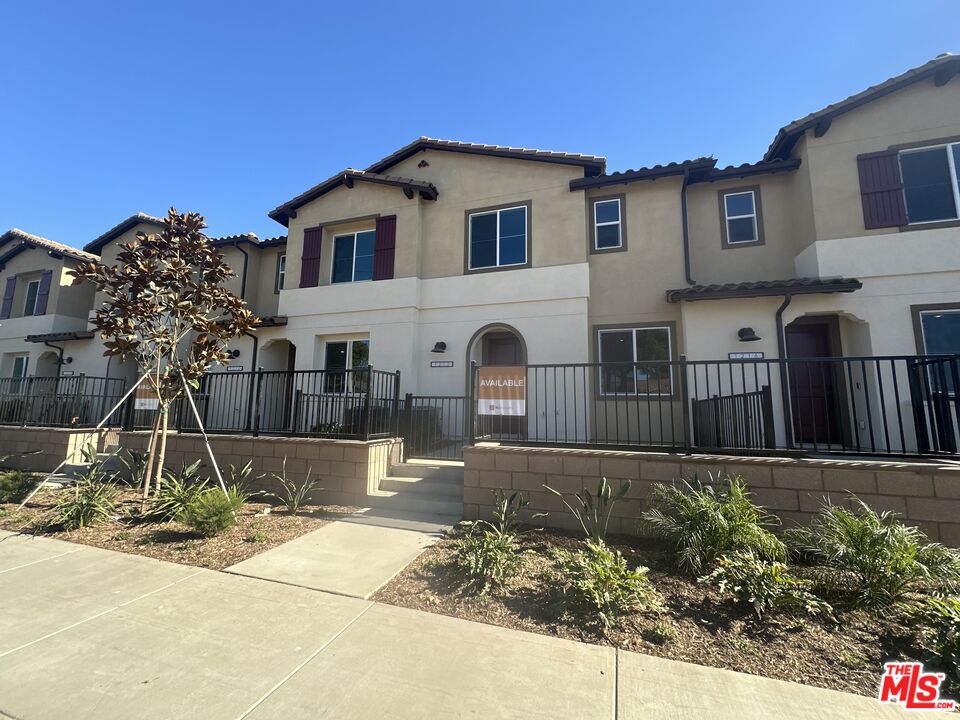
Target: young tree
{"x": 168, "y": 310}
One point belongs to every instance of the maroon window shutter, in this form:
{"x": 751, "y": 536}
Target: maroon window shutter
{"x": 881, "y": 190}
{"x": 8, "y": 291}
{"x": 384, "y": 247}
{"x": 43, "y": 292}
{"x": 310, "y": 263}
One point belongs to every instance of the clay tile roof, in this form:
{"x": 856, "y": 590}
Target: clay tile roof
{"x": 95, "y": 246}
{"x": 942, "y": 68}
{"x": 764, "y": 288}
{"x": 16, "y": 234}
{"x": 699, "y": 167}
{"x": 593, "y": 164}
{"x": 348, "y": 177}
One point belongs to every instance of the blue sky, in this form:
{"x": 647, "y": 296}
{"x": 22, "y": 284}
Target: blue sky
{"x": 231, "y": 108}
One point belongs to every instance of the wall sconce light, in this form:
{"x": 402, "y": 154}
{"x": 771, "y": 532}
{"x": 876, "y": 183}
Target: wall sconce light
{"x": 439, "y": 347}
{"x": 233, "y": 353}
{"x": 746, "y": 334}
{"x": 66, "y": 360}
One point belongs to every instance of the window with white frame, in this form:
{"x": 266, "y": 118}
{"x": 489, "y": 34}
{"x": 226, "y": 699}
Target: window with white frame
{"x": 281, "y": 271}
{"x": 607, "y": 228}
{"x": 740, "y": 217}
{"x": 635, "y": 361}
{"x": 940, "y": 335}
{"x": 931, "y": 182}
{"x": 19, "y": 369}
{"x": 353, "y": 256}
{"x": 341, "y": 356}
{"x": 30, "y": 302}
{"x": 497, "y": 238}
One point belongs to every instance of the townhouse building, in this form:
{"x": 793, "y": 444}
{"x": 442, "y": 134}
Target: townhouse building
{"x": 842, "y": 241}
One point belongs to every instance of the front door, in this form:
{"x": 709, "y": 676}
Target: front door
{"x": 502, "y": 348}
{"x": 813, "y": 385}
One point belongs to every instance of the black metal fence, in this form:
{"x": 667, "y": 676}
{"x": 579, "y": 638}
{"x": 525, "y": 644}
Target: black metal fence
{"x": 67, "y": 401}
{"x": 359, "y": 404}
{"x": 867, "y": 406}
{"x": 435, "y": 426}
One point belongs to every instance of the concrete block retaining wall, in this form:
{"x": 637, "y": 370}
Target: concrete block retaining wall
{"x": 926, "y": 495}
{"x": 55, "y": 445}
{"x": 347, "y": 469}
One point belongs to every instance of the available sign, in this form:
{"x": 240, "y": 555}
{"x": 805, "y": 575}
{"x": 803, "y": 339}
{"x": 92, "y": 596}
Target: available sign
{"x": 146, "y": 398}
{"x": 502, "y": 390}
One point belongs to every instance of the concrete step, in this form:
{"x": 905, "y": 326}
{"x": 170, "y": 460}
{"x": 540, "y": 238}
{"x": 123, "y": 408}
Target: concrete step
{"x": 414, "y": 502}
{"x": 423, "y": 470}
{"x": 436, "y": 487}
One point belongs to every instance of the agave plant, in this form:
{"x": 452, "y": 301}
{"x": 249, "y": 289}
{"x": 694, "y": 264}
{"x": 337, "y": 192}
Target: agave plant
{"x": 874, "y": 556}
{"x": 703, "y": 522}
{"x": 593, "y": 510}
{"x": 176, "y": 493}
{"x": 295, "y": 495}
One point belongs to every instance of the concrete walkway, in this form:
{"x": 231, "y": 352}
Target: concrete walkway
{"x": 91, "y": 634}
{"x": 354, "y": 556}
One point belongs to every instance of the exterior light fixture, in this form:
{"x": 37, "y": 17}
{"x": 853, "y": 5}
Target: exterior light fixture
{"x": 439, "y": 347}
{"x": 746, "y": 334}
{"x": 234, "y": 353}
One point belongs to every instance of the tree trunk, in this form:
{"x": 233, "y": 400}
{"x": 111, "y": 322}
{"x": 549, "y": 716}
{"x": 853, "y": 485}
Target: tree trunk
{"x": 151, "y": 446}
{"x": 165, "y": 413}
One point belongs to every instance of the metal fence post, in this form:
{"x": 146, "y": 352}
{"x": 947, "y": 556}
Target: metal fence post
{"x": 472, "y": 404}
{"x": 256, "y": 415}
{"x": 395, "y": 420}
{"x": 366, "y": 404}
{"x": 685, "y": 400}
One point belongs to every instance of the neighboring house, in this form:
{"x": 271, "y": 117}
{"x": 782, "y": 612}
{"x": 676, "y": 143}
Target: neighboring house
{"x": 39, "y": 305}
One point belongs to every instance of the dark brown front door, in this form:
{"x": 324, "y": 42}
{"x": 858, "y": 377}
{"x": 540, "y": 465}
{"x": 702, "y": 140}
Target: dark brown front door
{"x": 813, "y": 385}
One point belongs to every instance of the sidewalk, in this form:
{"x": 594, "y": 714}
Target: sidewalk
{"x": 92, "y": 634}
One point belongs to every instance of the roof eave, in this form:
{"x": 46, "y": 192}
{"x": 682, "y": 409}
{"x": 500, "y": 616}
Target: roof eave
{"x": 683, "y": 295}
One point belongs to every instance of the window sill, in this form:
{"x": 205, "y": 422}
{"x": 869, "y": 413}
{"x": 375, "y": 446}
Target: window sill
{"x": 935, "y": 225}
{"x": 500, "y": 268}
{"x": 604, "y": 251}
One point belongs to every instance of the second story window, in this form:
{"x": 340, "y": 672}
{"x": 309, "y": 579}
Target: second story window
{"x": 497, "y": 238}
{"x": 281, "y": 271}
{"x": 353, "y": 257}
{"x": 740, "y": 217}
{"x": 931, "y": 182}
{"x": 30, "y": 303}
{"x": 607, "y": 224}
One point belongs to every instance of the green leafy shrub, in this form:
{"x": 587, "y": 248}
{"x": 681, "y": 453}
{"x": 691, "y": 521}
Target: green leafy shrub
{"x": 88, "y": 502}
{"x": 15, "y": 485}
{"x": 294, "y": 495}
{"x": 488, "y": 558}
{"x": 211, "y": 511}
{"x": 662, "y": 632}
{"x": 135, "y": 463}
{"x": 874, "y": 557}
{"x": 765, "y": 585}
{"x": 176, "y": 493}
{"x": 593, "y": 510}
{"x": 597, "y": 583}
{"x": 939, "y": 619}
{"x": 240, "y": 476}
{"x": 703, "y": 523}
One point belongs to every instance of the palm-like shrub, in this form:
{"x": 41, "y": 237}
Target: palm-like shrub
{"x": 939, "y": 619}
{"x": 876, "y": 558}
{"x": 88, "y": 502}
{"x": 294, "y": 494}
{"x": 593, "y": 510}
{"x": 703, "y": 522}
{"x": 597, "y": 583}
{"x": 765, "y": 585}
{"x": 213, "y": 511}
{"x": 176, "y": 493}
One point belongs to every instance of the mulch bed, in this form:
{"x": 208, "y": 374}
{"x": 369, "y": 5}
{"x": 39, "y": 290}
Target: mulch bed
{"x": 708, "y": 628}
{"x": 259, "y": 527}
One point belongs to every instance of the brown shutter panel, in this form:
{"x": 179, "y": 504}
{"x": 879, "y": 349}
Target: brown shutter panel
{"x": 8, "y": 291}
{"x": 43, "y": 292}
{"x": 881, "y": 190}
{"x": 310, "y": 262}
{"x": 384, "y": 247}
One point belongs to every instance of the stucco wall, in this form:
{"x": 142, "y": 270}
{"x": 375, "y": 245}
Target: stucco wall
{"x": 926, "y": 495}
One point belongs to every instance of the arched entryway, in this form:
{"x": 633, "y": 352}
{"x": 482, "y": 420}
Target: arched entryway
{"x": 278, "y": 385}
{"x": 48, "y": 364}
{"x": 497, "y": 344}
